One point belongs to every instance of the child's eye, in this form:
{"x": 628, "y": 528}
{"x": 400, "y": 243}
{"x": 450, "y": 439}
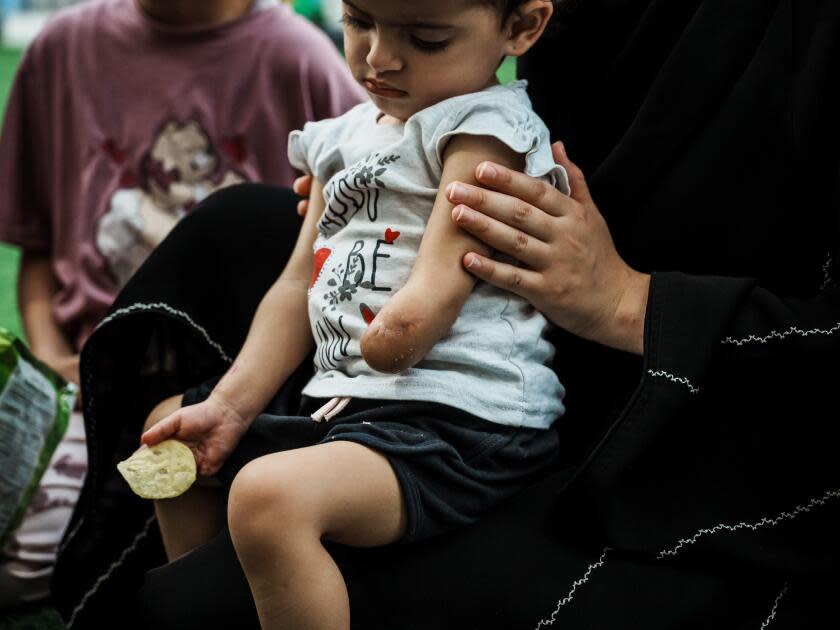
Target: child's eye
{"x": 428, "y": 46}
{"x": 355, "y": 23}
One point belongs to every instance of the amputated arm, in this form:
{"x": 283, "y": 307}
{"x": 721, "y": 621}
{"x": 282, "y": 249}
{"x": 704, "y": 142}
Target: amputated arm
{"x": 423, "y": 311}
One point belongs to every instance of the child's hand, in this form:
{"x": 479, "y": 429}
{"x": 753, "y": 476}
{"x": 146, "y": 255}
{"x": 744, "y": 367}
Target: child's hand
{"x": 212, "y": 429}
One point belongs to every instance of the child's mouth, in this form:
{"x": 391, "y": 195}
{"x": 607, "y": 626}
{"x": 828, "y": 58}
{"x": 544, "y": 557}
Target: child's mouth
{"x": 382, "y": 89}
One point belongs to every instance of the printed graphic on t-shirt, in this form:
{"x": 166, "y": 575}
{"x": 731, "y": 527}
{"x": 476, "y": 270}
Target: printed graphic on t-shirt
{"x": 332, "y": 340}
{"x": 180, "y": 169}
{"x": 346, "y": 272}
{"x": 355, "y": 188}
{"x": 358, "y": 270}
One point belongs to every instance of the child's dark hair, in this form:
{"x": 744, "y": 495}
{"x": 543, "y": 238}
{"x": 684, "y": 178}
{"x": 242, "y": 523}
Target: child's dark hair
{"x": 507, "y": 7}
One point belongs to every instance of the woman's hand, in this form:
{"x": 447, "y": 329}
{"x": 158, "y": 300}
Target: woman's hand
{"x": 571, "y": 270}
{"x": 211, "y": 428}
{"x": 303, "y": 187}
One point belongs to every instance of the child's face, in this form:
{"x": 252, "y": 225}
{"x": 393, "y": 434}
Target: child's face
{"x": 410, "y": 54}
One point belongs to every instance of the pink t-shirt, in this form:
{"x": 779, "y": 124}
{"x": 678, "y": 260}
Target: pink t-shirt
{"x": 117, "y": 125}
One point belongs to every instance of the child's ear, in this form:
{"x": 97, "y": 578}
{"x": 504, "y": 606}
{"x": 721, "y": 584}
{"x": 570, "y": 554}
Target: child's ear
{"x": 526, "y": 24}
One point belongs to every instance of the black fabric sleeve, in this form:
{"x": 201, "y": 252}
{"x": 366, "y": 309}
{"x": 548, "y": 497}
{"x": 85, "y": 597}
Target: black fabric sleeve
{"x": 728, "y": 446}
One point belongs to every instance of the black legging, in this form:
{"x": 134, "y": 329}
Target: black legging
{"x": 212, "y": 576}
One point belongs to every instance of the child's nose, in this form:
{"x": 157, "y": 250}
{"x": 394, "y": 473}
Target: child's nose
{"x": 383, "y": 55}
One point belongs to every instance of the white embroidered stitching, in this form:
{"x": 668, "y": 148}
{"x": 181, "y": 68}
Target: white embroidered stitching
{"x": 165, "y": 307}
{"x": 126, "y": 311}
{"x": 676, "y": 379}
{"x": 827, "y": 279}
{"x": 140, "y": 536}
{"x": 89, "y": 404}
{"x": 70, "y": 536}
{"x": 575, "y": 584}
{"x": 793, "y": 330}
{"x": 772, "y": 614}
{"x": 799, "y": 509}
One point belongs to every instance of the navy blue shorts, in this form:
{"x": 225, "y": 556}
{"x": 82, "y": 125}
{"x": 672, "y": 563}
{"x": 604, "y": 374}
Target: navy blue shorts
{"x": 451, "y": 465}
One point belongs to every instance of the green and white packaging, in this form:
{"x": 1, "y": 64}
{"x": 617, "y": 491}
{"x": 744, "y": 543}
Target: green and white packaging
{"x": 35, "y": 408}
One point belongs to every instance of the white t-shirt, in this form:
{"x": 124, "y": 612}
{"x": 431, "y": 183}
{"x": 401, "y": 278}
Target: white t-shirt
{"x": 380, "y": 183}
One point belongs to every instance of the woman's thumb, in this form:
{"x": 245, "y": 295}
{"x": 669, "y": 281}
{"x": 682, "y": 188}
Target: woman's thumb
{"x": 577, "y": 182}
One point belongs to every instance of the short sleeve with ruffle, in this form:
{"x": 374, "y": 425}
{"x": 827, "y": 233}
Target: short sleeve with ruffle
{"x": 503, "y": 112}
{"x": 316, "y": 149}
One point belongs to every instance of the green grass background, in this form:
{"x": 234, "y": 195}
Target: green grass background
{"x": 9, "y": 255}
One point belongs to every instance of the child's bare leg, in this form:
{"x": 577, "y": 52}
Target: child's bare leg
{"x": 282, "y": 505}
{"x": 188, "y": 521}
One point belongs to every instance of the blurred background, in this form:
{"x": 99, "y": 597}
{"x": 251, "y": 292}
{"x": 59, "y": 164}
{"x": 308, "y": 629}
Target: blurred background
{"x": 20, "y": 21}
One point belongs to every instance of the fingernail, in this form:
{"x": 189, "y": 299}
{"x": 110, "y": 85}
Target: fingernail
{"x": 462, "y": 213}
{"x": 456, "y": 191}
{"x": 486, "y": 171}
{"x": 473, "y": 263}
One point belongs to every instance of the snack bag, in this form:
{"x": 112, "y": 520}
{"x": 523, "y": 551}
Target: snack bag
{"x": 35, "y": 408}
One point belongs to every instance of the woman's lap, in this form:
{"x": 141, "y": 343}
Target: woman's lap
{"x": 515, "y": 569}
{"x": 528, "y": 560}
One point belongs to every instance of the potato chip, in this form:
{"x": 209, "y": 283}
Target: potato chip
{"x": 162, "y": 471}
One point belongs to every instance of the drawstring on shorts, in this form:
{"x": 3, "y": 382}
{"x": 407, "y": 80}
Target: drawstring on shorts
{"x": 333, "y": 407}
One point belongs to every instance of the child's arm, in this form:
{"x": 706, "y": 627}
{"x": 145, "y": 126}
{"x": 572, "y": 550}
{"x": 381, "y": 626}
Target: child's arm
{"x": 423, "y": 311}
{"x": 278, "y": 340}
{"x": 279, "y": 337}
{"x": 36, "y": 288}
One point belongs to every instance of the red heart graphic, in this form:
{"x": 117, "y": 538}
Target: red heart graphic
{"x": 320, "y": 258}
{"x": 391, "y": 236}
{"x": 366, "y": 313}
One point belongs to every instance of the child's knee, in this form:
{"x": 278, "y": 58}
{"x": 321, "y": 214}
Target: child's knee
{"x": 265, "y": 504}
{"x": 162, "y": 410}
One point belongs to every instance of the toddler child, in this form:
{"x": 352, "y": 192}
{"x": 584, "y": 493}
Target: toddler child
{"x": 432, "y": 398}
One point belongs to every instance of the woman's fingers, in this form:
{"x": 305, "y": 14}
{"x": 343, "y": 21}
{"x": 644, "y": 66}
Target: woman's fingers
{"x": 531, "y": 190}
{"x": 507, "y": 209}
{"x": 521, "y": 281}
{"x": 502, "y": 237}
{"x": 302, "y": 185}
